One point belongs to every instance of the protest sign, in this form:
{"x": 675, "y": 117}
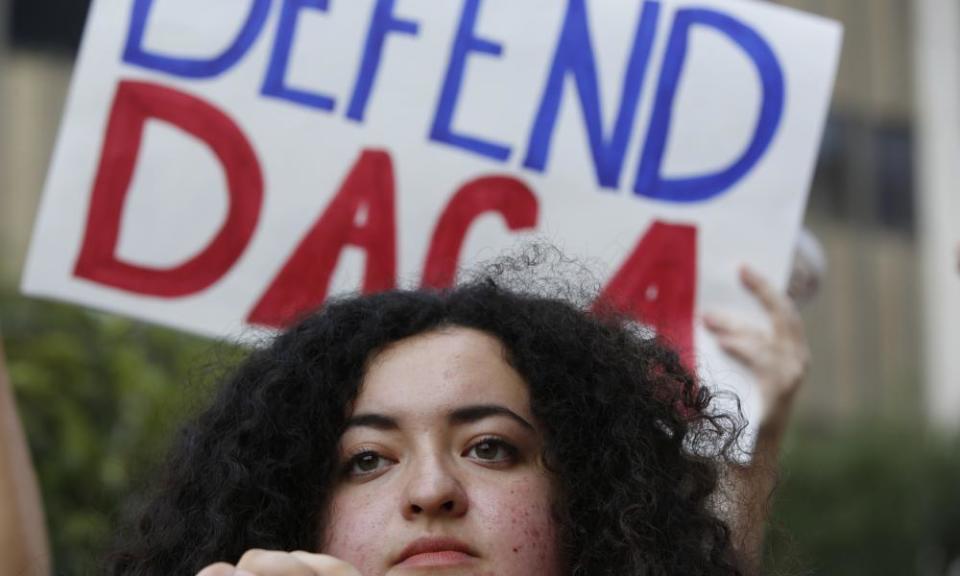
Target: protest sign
{"x": 229, "y": 164}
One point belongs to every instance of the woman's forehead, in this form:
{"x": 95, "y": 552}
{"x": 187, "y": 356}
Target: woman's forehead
{"x": 437, "y": 372}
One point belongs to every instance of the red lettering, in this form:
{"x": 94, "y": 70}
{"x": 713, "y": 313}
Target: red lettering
{"x": 657, "y": 285}
{"x": 304, "y": 281}
{"x": 133, "y": 105}
{"x": 508, "y": 196}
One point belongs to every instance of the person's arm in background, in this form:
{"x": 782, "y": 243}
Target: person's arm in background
{"x": 24, "y": 548}
{"x": 778, "y": 359}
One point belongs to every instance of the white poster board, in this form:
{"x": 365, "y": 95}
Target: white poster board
{"x": 225, "y": 164}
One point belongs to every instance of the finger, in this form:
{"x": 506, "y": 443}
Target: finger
{"x": 763, "y": 290}
{"x": 273, "y": 563}
{"x": 783, "y": 313}
{"x": 745, "y": 348}
{"x": 218, "y": 569}
{"x": 720, "y": 323}
{"x": 727, "y": 325}
{"x": 325, "y": 565}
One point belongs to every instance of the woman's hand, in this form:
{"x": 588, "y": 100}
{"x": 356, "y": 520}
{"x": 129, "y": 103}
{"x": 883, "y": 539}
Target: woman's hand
{"x": 272, "y": 563}
{"x": 778, "y": 358}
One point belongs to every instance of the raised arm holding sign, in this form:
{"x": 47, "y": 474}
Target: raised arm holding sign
{"x": 778, "y": 359}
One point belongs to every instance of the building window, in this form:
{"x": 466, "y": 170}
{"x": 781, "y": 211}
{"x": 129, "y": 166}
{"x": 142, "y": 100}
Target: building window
{"x": 48, "y": 24}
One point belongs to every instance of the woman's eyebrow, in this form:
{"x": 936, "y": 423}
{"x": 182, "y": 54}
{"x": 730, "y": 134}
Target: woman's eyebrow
{"x": 463, "y": 415}
{"x": 468, "y": 414}
{"x": 376, "y": 421}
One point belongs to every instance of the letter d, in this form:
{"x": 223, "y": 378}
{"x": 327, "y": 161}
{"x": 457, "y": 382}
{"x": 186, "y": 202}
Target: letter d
{"x": 650, "y": 183}
{"x": 134, "y": 104}
{"x": 134, "y": 53}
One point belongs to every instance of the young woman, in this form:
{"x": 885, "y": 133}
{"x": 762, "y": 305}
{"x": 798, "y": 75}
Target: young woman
{"x": 479, "y": 431}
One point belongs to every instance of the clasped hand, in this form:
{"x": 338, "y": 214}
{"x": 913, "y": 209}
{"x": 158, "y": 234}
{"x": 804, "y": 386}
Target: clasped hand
{"x": 273, "y": 563}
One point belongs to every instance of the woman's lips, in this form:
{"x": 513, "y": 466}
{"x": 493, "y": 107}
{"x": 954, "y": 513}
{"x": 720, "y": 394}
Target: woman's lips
{"x": 437, "y": 552}
{"x": 438, "y": 559}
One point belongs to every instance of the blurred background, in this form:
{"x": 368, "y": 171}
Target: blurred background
{"x": 871, "y": 475}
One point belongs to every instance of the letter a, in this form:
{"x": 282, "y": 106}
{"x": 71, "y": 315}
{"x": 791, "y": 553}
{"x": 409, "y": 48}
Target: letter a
{"x": 657, "y": 285}
{"x": 303, "y": 283}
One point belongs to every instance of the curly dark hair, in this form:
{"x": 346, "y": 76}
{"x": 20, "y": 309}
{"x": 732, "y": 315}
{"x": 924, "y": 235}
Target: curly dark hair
{"x": 624, "y": 426}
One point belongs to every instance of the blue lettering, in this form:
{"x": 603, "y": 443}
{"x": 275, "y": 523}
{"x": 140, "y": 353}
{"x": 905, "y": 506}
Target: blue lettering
{"x": 465, "y": 43}
{"x": 575, "y": 56}
{"x": 649, "y": 182}
{"x": 383, "y": 23}
{"x": 275, "y": 82}
{"x": 134, "y": 53}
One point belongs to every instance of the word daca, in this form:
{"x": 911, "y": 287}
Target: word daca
{"x": 656, "y": 284}
{"x": 573, "y": 57}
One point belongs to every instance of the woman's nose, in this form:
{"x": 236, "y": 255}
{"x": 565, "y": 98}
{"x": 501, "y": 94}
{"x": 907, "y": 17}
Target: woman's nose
{"x": 434, "y": 489}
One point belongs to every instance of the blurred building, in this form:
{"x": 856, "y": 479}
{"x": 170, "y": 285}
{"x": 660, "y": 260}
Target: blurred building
{"x": 865, "y": 327}
{"x": 41, "y": 37}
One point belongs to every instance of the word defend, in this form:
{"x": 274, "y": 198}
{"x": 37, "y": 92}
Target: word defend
{"x": 573, "y": 58}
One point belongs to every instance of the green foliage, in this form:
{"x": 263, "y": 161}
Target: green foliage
{"x": 867, "y": 499}
{"x": 99, "y": 397}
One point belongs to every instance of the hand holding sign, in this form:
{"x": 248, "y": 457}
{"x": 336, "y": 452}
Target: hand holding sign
{"x": 777, "y": 357}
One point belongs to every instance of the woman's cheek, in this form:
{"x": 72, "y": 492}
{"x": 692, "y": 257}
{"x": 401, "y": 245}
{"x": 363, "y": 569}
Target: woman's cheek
{"x": 522, "y": 529}
{"x": 355, "y": 532}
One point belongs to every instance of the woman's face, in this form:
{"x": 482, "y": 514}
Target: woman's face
{"x": 441, "y": 469}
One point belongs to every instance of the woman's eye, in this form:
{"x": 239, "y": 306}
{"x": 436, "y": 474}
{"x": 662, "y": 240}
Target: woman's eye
{"x": 366, "y": 463}
{"x": 492, "y": 450}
